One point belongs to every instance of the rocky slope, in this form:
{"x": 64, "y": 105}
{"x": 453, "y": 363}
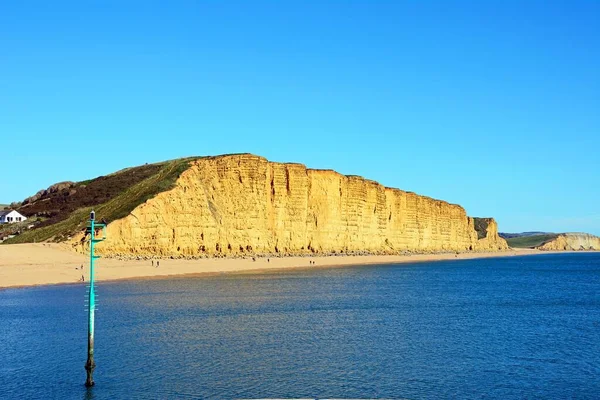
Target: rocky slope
{"x": 245, "y": 204}
{"x": 572, "y": 241}
{"x": 61, "y": 211}
{"x": 58, "y": 201}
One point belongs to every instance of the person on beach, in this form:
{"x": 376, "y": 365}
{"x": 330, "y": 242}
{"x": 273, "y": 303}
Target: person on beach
{"x": 157, "y": 264}
{"x": 153, "y": 263}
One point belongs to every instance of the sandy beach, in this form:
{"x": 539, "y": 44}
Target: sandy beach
{"x": 24, "y": 265}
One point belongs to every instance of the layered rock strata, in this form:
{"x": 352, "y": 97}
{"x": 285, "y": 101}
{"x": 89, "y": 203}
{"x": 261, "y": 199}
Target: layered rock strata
{"x": 572, "y": 242}
{"x": 244, "y": 204}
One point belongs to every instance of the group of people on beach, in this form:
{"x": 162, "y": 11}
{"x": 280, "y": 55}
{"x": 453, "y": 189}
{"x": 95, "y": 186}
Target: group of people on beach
{"x": 268, "y": 259}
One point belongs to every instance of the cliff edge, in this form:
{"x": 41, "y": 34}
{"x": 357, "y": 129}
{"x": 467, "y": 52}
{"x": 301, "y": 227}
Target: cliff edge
{"x": 572, "y": 242}
{"x": 244, "y": 204}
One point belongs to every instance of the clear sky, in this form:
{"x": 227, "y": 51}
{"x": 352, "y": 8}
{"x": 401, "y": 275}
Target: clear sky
{"x": 494, "y": 105}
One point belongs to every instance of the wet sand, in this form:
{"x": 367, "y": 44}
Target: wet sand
{"x": 24, "y": 265}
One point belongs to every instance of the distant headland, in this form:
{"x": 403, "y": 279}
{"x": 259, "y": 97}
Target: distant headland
{"x": 571, "y": 241}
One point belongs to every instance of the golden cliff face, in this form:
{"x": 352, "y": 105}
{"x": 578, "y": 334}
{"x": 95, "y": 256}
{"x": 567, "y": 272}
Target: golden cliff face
{"x": 246, "y": 204}
{"x": 572, "y": 241}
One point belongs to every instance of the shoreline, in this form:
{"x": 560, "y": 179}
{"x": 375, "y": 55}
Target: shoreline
{"x": 41, "y": 264}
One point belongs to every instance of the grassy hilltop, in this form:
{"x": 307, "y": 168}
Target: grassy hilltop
{"x": 63, "y": 209}
{"x": 527, "y": 240}
{"x": 531, "y": 241}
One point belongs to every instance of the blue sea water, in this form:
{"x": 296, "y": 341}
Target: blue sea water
{"x": 510, "y": 328}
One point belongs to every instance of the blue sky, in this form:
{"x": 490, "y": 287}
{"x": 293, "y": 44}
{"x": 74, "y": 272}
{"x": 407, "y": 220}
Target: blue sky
{"x": 491, "y": 105}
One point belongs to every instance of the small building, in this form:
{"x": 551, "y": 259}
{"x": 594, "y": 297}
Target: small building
{"x": 10, "y": 217}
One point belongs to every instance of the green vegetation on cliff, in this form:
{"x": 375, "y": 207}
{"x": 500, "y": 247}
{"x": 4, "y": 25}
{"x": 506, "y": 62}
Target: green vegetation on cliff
{"x": 530, "y": 241}
{"x": 67, "y": 205}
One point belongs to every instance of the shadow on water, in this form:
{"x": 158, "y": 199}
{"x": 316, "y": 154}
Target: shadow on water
{"x": 89, "y": 394}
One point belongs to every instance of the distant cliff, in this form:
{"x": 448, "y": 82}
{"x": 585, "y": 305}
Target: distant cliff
{"x": 244, "y": 204}
{"x": 572, "y": 241}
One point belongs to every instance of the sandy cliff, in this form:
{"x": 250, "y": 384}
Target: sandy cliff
{"x": 572, "y": 241}
{"x": 246, "y": 204}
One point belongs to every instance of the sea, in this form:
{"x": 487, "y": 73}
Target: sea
{"x": 498, "y": 328}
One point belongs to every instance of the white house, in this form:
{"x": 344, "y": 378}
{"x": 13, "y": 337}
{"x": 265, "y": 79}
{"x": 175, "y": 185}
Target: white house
{"x": 10, "y": 216}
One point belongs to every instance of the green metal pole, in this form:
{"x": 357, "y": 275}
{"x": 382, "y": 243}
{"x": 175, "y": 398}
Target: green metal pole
{"x": 90, "y": 364}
